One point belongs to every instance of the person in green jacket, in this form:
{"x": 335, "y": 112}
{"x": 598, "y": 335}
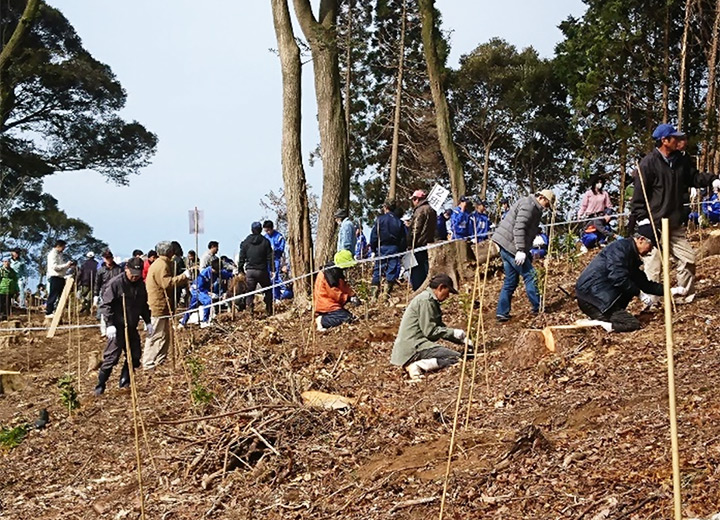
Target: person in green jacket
{"x": 416, "y": 348}
{"x": 8, "y": 287}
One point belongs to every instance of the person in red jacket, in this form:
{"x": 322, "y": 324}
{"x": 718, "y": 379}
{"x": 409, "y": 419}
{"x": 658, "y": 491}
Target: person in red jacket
{"x": 332, "y": 293}
{"x": 151, "y": 257}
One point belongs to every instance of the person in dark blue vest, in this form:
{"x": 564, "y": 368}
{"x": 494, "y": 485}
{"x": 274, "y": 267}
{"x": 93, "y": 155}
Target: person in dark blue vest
{"x": 441, "y": 233}
{"x": 387, "y": 237}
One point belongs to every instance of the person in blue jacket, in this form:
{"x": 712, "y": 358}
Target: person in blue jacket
{"x": 711, "y": 207}
{"x": 200, "y": 291}
{"x": 540, "y": 246}
{"x": 277, "y": 241}
{"x": 460, "y": 220}
{"x": 441, "y": 232}
{"x": 479, "y": 222}
{"x": 387, "y": 237}
{"x": 362, "y": 249}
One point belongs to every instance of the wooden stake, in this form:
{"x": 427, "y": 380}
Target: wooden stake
{"x": 670, "y": 343}
{"x": 133, "y": 399}
{"x": 547, "y": 256}
{"x": 57, "y": 316}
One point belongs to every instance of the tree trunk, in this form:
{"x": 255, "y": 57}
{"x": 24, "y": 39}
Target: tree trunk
{"x": 683, "y": 64}
{"x": 666, "y": 67}
{"x": 398, "y": 106}
{"x": 299, "y": 237}
{"x": 322, "y": 38}
{"x": 623, "y": 173}
{"x": 9, "y": 51}
{"x": 348, "y": 71}
{"x": 710, "y": 117}
{"x": 442, "y": 112}
{"x": 486, "y": 169}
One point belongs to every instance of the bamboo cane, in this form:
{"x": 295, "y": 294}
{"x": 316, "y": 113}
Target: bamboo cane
{"x": 133, "y": 398}
{"x": 669, "y": 341}
{"x": 548, "y": 254}
{"x": 459, "y": 396}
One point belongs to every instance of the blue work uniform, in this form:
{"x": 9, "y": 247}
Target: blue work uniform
{"x": 200, "y": 292}
{"x": 460, "y": 224}
{"x": 277, "y": 241}
{"x": 387, "y": 237}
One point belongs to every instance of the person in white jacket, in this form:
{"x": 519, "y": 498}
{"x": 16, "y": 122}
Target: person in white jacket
{"x": 56, "y": 269}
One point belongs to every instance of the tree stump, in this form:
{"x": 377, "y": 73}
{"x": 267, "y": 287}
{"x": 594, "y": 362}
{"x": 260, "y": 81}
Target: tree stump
{"x": 10, "y": 381}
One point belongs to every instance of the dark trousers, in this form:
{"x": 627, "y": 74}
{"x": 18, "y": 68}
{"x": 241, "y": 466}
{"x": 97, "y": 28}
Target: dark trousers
{"x": 421, "y": 270}
{"x": 617, "y": 315}
{"x": 387, "y": 267}
{"x": 336, "y": 318}
{"x": 445, "y": 356}
{"x": 5, "y": 303}
{"x": 116, "y": 348}
{"x": 261, "y": 277}
{"x": 56, "y": 284}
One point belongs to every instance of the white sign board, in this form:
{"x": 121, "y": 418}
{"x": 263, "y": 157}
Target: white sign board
{"x": 197, "y": 221}
{"x": 437, "y": 197}
{"x": 408, "y": 260}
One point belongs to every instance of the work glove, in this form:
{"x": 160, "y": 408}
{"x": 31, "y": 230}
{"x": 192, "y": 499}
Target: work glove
{"x": 355, "y": 301}
{"x": 538, "y": 242}
{"x": 96, "y": 301}
{"x": 520, "y": 257}
{"x": 111, "y": 333}
{"x": 149, "y": 329}
{"x": 213, "y": 296}
{"x": 678, "y": 291}
{"x": 459, "y": 334}
{"x": 187, "y": 273}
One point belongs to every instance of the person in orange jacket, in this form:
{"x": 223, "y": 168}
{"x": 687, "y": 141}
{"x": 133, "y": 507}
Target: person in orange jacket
{"x": 332, "y": 293}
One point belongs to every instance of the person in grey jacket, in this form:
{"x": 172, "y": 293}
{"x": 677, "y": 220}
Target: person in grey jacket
{"x": 416, "y": 347}
{"x": 514, "y": 236}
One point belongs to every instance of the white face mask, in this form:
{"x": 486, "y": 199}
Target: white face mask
{"x": 599, "y": 186}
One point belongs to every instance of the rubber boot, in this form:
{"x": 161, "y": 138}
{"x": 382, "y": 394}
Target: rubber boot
{"x": 103, "y": 376}
{"x": 125, "y": 376}
{"x": 388, "y": 288}
{"x": 374, "y": 290}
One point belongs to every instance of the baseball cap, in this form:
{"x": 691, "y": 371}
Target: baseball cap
{"x": 255, "y": 226}
{"x": 442, "y": 279}
{"x": 90, "y": 254}
{"x": 341, "y": 213}
{"x": 344, "y": 259}
{"x": 665, "y": 130}
{"x": 135, "y": 264}
{"x": 419, "y": 194}
{"x": 549, "y": 195}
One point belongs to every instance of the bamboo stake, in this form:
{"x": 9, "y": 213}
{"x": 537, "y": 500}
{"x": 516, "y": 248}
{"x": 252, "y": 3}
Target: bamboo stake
{"x": 480, "y": 332}
{"x": 133, "y": 399}
{"x": 548, "y": 254}
{"x": 670, "y": 343}
{"x": 77, "y": 321}
{"x": 459, "y": 395}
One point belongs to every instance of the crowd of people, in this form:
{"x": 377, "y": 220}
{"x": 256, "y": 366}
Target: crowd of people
{"x": 164, "y": 283}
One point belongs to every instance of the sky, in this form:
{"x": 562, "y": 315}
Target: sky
{"x": 206, "y": 82}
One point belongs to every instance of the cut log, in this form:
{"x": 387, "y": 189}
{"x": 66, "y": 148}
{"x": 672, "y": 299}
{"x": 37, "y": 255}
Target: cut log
{"x": 315, "y": 399}
{"x": 10, "y": 381}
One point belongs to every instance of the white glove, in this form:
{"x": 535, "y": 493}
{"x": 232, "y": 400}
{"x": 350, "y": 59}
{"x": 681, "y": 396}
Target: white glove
{"x": 520, "y": 257}
{"x": 459, "y": 334}
{"x": 149, "y": 329}
{"x": 96, "y": 301}
{"x": 187, "y": 274}
{"x": 213, "y": 296}
{"x": 538, "y": 242}
{"x": 111, "y": 333}
{"x": 679, "y": 291}
{"x": 694, "y": 193}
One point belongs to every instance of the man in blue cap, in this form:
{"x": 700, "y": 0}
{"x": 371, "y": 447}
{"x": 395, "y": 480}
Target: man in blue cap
{"x": 660, "y": 185}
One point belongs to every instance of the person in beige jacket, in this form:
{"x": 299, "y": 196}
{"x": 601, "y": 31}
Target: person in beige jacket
{"x": 160, "y": 284}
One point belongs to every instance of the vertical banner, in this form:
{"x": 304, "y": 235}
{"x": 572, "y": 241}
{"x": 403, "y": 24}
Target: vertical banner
{"x": 196, "y": 219}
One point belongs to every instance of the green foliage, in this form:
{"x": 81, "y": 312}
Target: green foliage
{"x": 12, "y": 437}
{"x": 199, "y": 393}
{"x": 68, "y": 393}
{"x": 511, "y": 118}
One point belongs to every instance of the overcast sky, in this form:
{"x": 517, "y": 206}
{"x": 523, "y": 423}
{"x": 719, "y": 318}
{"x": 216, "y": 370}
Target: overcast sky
{"x": 205, "y": 81}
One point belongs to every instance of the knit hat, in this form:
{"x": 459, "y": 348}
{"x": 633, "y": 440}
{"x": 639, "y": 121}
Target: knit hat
{"x": 344, "y": 259}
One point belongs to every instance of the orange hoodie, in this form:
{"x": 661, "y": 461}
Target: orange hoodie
{"x": 329, "y": 299}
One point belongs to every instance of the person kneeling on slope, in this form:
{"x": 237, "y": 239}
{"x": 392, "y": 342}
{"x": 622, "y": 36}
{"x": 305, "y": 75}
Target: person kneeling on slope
{"x": 332, "y": 292}
{"x": 416, "y": 348}
{"x": 612, "y": 280}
